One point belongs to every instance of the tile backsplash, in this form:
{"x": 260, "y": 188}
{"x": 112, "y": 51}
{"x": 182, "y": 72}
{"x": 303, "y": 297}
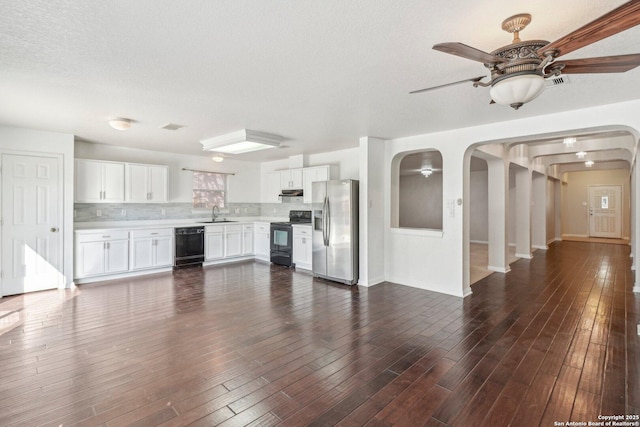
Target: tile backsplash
{"x": 96, "y": 212}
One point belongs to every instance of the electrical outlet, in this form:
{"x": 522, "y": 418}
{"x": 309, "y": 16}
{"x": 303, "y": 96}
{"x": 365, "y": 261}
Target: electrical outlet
{"x": 98, "y": 212}
{"x": 237, "y": 210}
{"x": 123, "y": 212}
{"x": 163, "y": 212}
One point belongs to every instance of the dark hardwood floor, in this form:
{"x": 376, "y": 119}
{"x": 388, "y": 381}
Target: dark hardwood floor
{"x": 554, "y": 340}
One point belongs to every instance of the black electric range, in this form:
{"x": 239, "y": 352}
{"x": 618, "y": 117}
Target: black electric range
{"x": 282, "y": 237}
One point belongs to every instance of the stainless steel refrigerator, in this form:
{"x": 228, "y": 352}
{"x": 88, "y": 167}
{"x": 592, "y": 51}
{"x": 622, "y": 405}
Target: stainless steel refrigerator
{"x": 335, "y": 230}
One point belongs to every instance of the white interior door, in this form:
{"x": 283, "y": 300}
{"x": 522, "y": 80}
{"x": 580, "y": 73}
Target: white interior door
{"x": 31, "y": 220}
{"x": 605, "y": 211}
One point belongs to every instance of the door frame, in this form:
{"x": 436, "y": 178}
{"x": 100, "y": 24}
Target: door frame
{"x": 620, "y": 217}
{"x": 62, "y": 193}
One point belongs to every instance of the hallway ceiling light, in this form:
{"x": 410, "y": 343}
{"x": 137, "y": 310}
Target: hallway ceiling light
{"x": 217, "y": 158}
{"x": 588, "y": 163}
{"x": 120, "y": 123}
{"x": 242, "y": 141}
{"x": 426, "y": 172}
{"x": 581, "y": 154}
{"x": 568, "y": 142}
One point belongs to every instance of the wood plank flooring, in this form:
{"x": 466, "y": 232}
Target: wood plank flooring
{"x": 250, "y": 344}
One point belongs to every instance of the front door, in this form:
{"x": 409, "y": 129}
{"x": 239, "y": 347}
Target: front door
{"x": 31, "y": 219}
{"x": 605, "y": 211}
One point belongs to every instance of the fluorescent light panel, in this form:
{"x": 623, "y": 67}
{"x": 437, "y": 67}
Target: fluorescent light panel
{"x": 242, "y": 141}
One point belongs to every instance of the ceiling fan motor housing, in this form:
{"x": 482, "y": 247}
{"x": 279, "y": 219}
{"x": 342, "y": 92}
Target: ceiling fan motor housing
{"x": 522, "y": 58}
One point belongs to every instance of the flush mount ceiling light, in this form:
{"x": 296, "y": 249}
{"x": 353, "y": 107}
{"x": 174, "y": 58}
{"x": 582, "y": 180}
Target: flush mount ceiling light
{"x": 588, "y": 163}
{"x": 581, "y": 154}
{"x": 217, "y": 158}
{"x": 242, "y": 141}
{"x": 120, "y": 123}
{"x": 426, "y": 172}
{"x": 568, "y": 142}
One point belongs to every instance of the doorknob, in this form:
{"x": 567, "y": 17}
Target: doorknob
{"x": 53, "y": 229}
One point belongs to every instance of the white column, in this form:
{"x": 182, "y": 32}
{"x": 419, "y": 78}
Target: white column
{"x": 523, "y": 213}
{"x": 632, "y": 223}
{"x": 498, "y": 178}
{"x": 635, "y": 237}
{"x": 371, "y": 227}
{"x": 539, "y": 212}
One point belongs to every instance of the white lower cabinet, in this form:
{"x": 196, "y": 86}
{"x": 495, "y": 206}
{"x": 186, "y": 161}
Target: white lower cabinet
{"x": 262, "y": 241}
{"x": 302, "y": 247}
{"x": 101, "y": 253}
{"x": 232, "y": 241}
{"x": 151, "y": 248}
{"x": 247, "y": 239}
{"x": 214, "y": 242}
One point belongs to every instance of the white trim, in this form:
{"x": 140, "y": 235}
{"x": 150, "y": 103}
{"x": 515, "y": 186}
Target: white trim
{"x": 633, "y": 267}
{"x": 543, "y": 247}
{"x": 102, "y": 278}
{"x": 499, "y": 269}
{"x": 525, "y": 256}
{"x": 636, "y": 289}
{"x": 371, "y": 282}
{"x": 417, "y": 232}
{"x": 583, "y": 236}
{"x": 480, "y": 242}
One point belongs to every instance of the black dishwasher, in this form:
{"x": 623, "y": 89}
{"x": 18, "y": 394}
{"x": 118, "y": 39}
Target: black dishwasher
{"x": 189, "y": 247}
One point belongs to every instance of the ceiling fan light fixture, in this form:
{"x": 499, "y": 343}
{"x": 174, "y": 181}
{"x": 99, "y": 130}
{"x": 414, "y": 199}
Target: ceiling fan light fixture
{"x": 569, "y": 141}
{"x": 517, "y": 90}
{"x": 120, "y": 123}
{"x": 217, "y": 158}
{"x": 581, "y": 154}
{"x": 588, "y": 163}
{"x": 426, "y": 172}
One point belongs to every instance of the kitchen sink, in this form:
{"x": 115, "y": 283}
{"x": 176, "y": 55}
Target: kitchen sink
{"x": 215, "y": 222}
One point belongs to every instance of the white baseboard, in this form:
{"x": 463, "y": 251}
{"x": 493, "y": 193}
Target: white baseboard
{"x": 499, "y": 269}
{"x": 480, "y": 242}
{"x": 371, "y": 282}
{"x": 525, "y": 256}
{"x": 543, "y": 247}
{"x": 636, "y": 289}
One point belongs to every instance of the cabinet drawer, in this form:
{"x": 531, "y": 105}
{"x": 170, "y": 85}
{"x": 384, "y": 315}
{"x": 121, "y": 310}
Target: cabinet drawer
{"x": 247, "y": 228}
{"x": 214, "y": 229}
{"x": 261, "y": 227}
{"x": 104, "y": 236}
{"x": 233, "y": 229}
{"x": 302, "y": 231}
{"x": 154, "y": 232}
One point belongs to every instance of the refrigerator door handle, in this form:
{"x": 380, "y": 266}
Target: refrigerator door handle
{"x": 324, "y": 222}
{"x": 328, "y": 221}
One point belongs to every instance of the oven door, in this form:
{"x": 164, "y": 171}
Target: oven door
{"x": 281, "y": 244}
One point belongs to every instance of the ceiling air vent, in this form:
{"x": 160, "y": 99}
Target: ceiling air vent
{"x": 557, "y": 81}
{"x": 172, "y": 126}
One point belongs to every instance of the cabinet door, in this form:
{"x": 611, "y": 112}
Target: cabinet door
{"x": 142, "y": 253}
{"x": 88, "y": 181}
{"x": 262, "y": 246}
{"x": 298, "y": 250}
{"x": 214, "y": 245}
{"x": 89, "y": 259}
{"x": 296, "y": 178}
{"x": 137, "y": 178}
{"x": 233, "y": 244}
{"x": 163, "y": 251}
{"x": 158, "y": 184}
{"x": 117, "y": 256}
{"x": 247, "y": 240}
{"x": 311, "y": 175}
{"x": 270, "y": 188}
{"x": 113, "y": 182}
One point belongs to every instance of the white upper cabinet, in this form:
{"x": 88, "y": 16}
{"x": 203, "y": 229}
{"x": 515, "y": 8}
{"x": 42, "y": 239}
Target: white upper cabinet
{"x": 271, "y": 188}
{"x": 99, "y": 182}
{"x": 146, "y": 183}
{"x": 291, "y": 179}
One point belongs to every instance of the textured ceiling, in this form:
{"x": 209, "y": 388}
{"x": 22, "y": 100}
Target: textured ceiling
{"x": 319, "y": 73}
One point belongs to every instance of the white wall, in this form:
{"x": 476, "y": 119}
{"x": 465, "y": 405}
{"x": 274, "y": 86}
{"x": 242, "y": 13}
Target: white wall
{"x": 26, "y": 141}
{"x": 479, "y": 206}
{"x": 419, "y": 259}
{"x": 244, "y": 186}
{"x": 348, "y": 162}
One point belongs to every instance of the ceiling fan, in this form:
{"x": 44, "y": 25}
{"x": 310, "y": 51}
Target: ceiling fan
{"x": 518, "y": 70}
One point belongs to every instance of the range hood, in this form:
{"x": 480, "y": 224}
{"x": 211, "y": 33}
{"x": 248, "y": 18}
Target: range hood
{"x": 291, "y": 196}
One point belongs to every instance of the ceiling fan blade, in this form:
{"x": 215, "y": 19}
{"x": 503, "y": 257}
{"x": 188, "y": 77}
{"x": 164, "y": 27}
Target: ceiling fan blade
{"x": 468, "y": 52}
{"x": 605, "y": 64}
{"x": 473, "y": 79}
{"x": 614, "y": 22}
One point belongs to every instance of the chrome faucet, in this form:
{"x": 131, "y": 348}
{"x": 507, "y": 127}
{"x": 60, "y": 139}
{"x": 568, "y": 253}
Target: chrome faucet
{"x": 213, "y": 213}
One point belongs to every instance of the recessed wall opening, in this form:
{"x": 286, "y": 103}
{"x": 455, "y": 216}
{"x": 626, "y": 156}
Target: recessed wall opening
{"x": 420, "y": 191}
